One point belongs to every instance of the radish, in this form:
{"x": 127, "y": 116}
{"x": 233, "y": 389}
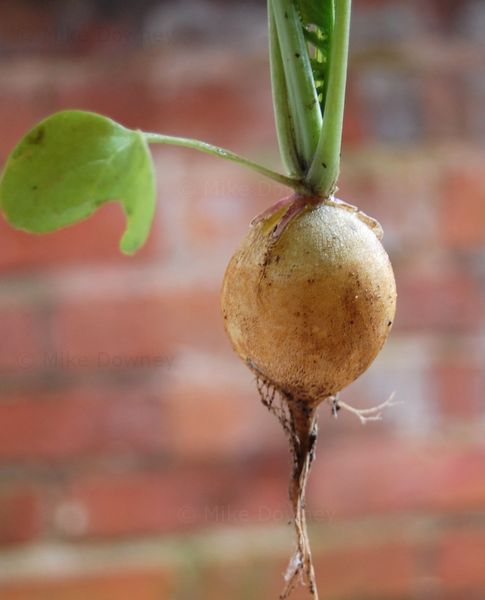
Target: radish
{"x": 308, "y": 304}
{"x": 309, "y": 307}
{"x": 309, "y": 296}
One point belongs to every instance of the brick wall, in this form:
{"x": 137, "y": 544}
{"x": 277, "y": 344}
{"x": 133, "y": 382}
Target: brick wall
{"x": 135, "y": 458}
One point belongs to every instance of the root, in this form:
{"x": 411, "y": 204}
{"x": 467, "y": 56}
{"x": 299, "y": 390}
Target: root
{"x": 364, "y": 414}
{"x": 303, "y": 440}
{"x": 298, "y": 420}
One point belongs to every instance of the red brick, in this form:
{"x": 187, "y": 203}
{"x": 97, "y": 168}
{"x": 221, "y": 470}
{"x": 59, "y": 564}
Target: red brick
{"x": 463, "y": 208}
{"x": 26, "y": 26}
{"x": 172, "y": 499}
{"x": 388, "y": 476}
{"x": 475, "y": 594}
{"x": 437, "y": 301}
{"x": 126, "y": 95}
{"x": 442, "y": 99}
{"x": 461, "y": 560}
{"x": 397, "y": 188}
{"x": 216, "y": 106}
{"x": 361, "y": 569}
{"x": 219, "y": 201}
{"x": 87, "y": 420}
{"x": 213, "y": 106}
{"x": 143, "y": 418}
{"x": 125, "y": 585}
{"x": 360, "y": 188}
{"x": 95, "y": 240}
{"x": 231, "y": 579}
{"x": 15, "y": 123}
{"x": 109, "y": 37}
{"x": 218, "y": 415}
{"x": 213, "y": 116}
{"x": 139, "y": 328}
{"x": 21, "y": 337}
{"x": 354, "y": 130}
{"x": 457, "y": 389}
{"x": 378, "y": 570}
{"x": 19, "y": 515}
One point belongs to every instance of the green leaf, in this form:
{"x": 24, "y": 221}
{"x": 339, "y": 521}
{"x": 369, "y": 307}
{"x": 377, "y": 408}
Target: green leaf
{"x": 320, "y": 13}
{"x": 317, "y": 18}
{"x": 70, "y": 164}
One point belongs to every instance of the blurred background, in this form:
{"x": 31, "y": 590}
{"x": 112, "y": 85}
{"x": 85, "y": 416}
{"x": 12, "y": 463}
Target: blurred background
{"x": 136, "y": 461}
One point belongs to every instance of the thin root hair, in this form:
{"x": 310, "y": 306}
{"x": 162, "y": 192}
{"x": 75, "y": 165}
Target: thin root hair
{"x": 364, "y": 414}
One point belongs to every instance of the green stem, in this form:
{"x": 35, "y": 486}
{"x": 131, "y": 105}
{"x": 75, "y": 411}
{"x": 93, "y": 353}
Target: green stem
{"x": 159, "y": 138}
{"x": 323, "y": 174}
{"x": 284, "y": 126}
{"x": 303, "y": 101}
{"x": 329, "y": 30}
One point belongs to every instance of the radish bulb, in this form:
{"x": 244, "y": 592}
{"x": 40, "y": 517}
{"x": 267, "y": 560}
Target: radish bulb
{"x": 310, "y": 307}
{"x": 308, "y": 301}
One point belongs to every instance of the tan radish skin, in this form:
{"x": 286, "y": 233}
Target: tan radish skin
{"x": 310, "y": 310}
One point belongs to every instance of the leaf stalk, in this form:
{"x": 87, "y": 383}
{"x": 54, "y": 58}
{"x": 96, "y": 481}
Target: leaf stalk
{"x": 159, "y": 138}
{"x": 303, "y": 103}
{"x": 325, "y": 167}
